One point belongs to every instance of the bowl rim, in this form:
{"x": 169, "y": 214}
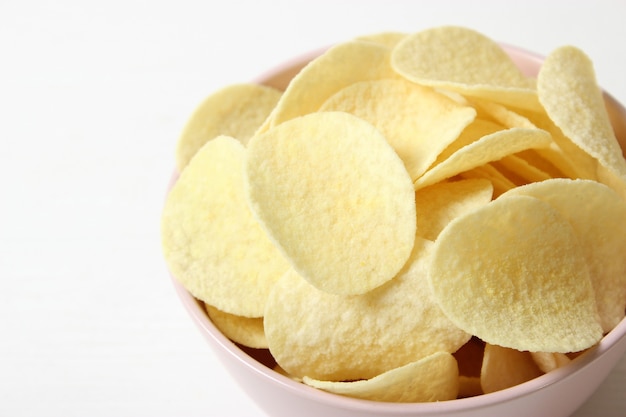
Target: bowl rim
{"x": 197, "y": 312}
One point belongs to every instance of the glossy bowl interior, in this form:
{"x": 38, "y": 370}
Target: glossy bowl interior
{"x": 556, "y": 394}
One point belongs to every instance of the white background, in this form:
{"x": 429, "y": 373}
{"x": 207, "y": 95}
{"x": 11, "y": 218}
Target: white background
{"x": 93, "y": 96}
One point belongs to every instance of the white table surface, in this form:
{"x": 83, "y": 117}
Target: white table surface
{"x": 92, "y": 98}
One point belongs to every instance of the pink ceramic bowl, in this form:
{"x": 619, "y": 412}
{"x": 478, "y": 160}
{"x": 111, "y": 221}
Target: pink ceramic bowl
{"x": 555, "y": 394}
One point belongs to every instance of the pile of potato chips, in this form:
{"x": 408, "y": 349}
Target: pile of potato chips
{"x": 412, "y": 219}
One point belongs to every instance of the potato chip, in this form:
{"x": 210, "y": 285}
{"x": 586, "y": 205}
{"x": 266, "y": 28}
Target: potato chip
{"x": 500, "y": 183}
{"x": 549, "y": 361}
{"x": 569, "y": 92}
{"x": 518, "y": 167}
{"x": 433, "y": 378}
{"x": 603, "y": 237}
{"x": 281, "y": 371}
{"x": 338, "y": 67}
{"x": 342, "y": 338}
{"x": 615, "y": 111}
{"x": 541, "y": 167}
{"x": 487, "y": 149}
{"x": 335, "y": 198}
{"x": 212, "y": 243}
{"x": 237, "y": 111}
{"x": 536, "y": 159}
{"x": 573, "y": 161}
{"x": 504, "y": 368}
{"x": 438, "y": 204}
{"x": 388, "y": 39}
{"x": 513, "y": 273}
{"x": 464, "y": 61}
{"x": 417, "y": 121}
{"x": 477, "y": 129}
{"x": 243, "y": 330}
{"x": 510, "y": 176}
{"x": 501, "y": 114}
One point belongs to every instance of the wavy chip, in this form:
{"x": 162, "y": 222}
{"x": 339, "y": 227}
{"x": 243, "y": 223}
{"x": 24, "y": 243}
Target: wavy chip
{"x": 338, "y": 338}
{"x": 603, "y": 237}
{"x": 513, "y": 273}
{"x": 500, "y": 183}
{"x": 212, "y": 243}
{"x": 465, "y": 61}
{"x": 433, "y": 378}
{"x": 243, "y": 330}
{"x": 491, "y": 147}
{"x": 336, "y": 68}
{"x": 569, "y": 92}
{"x": 236, "y": 110}
{"x": 563, "y": 154}
{"x": 504, "y": 368}
{"x": 335, "y": 198}
{"x": 417, "y": 121}
{"x": 548, "y": 361}
{"x": 440, "y": 203}
{"x": 519, "y": 169}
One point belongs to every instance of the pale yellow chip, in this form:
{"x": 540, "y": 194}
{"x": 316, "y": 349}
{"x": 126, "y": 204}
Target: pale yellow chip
{"x": 513, "y": 273}
{"x": 524, "y": 168}
{"x": 504, "y": 368}
{"x": 277, "y": 368}
{"x": 514, "y": 166}
{"x": 501, "y": 114}
{"x": 536, "y": 158}
{"x": 338, "y": 67}
{"x": 247, "y": 331}
{"x": 477, "y": 129}
{"x": 388, "y": 39}
{"x": 237, "y": 111}
{"x": 438, "y": 204}
{"x": 598, "y": 215}
{"x": 500, "y": 183}
{"x": 464, "y": 61}
{"x": 340, "y": 338}
{"x": 417, "y": 121}
{"x": 212, "y": 243}
{"x": 549, "y": 361}
{"x": 487, "y": 149}
{"x": 433, "y": 378}
{"x": 569, "y": 92}
{"x": 335, "y": 198}
{"x": 573, "y": 161}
